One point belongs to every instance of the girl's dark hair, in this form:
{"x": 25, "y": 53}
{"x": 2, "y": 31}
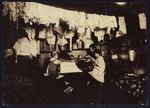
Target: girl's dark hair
{"x": 93, "y": 46}
{"x": 95, "y": 49}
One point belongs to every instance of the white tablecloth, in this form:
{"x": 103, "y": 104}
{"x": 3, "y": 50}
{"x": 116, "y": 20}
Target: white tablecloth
{"x": 69, "y": 67}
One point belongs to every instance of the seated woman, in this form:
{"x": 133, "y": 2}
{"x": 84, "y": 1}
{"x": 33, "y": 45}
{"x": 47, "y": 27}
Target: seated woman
{"x": 99, "y": 68}
{"x": 98, "y": 71}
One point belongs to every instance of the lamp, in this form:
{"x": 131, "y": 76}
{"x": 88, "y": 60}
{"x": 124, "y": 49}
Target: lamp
{"x": 121, "y": 3}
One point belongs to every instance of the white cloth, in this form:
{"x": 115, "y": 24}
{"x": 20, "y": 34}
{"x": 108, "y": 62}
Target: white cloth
{"x": 42, "y": 34}
{"x": 62, "y": 41}
{"x": 24, "y": 47}
{"x": 51, "y": 40}
{"x": 72, "y": 16}
{"x": 81, "y": 19}
{"x": 69, "y": 67}
{"x": 87, "y": 43}
{"x": 98, "y": 71}
{"x": 32, "y": 10}
{"x": 69, "y": 35}
{"x": 99, "y": 35}
{"x": 43, "y": 13}
{"x": 88, "y": 33}
{"x": 142, "y": 21}
{"x": 81, "y": 30}
{"x": 13, "y": 12}
{"x": 122, "y": 25}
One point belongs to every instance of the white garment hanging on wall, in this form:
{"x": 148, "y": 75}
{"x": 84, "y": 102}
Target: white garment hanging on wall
{"x": 13, "y": 12}
{"x": 87, "y": 43}
{"x": 81, "y": 30}
{"x": 42, "y": 34}
{"x": 62, "y": 41}
{"x": 44, "y": 14}
{"x": 88, "y": 33}
{"x": 32, "y": 10}
{"x": 90, "y": 22}
{"x": 122, "y": 24}
{"x": 142, "y": 20}
{"x": 81, "y": 18}
{"x": 51, "y": 40}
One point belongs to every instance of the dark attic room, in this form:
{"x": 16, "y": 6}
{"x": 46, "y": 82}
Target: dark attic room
{"x": 74, "y": 53}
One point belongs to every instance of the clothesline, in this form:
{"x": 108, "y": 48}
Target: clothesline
{"x": 45, "y": 14}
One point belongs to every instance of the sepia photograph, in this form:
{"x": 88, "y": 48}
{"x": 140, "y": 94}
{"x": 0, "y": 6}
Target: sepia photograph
{"x": 74, "y": 53}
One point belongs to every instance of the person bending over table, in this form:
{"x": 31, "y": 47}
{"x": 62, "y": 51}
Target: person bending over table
{"x": 53, "y": 70}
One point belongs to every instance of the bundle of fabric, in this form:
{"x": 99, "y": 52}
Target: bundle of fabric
{"x": 51, "y": 38}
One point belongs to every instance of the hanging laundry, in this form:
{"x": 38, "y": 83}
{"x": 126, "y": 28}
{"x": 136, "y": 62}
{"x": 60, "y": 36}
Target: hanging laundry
{"x": 99, "y": 34}
{"x": 72, "y": 19}
{"x": 32, "y": 10}
{"x": 89, "y": 21}
{"x": 81, "y": 19}
{"x": 69, "y": 35}
{"x": 87, "y": 43}
{"x": 42, "y": 34}
{"x": 107, "y": 21}
{"x": 43, "y": 12}
{"x": 5, "y": 8}
{"x": 103, "y": 21}
{"x": 51, "y": 40}
{"x": 96, "y": 20}
{"x": 122, "y": 24}
{"x": 81, "y": 30}
{"x": 88, "y": 33}
{"x": 53, "y": 15}
{"x": 13, "y": 11}
{"x": 62, "y": 41}
{"x": 142, "y": 20}
{"x": 112, "y": 21}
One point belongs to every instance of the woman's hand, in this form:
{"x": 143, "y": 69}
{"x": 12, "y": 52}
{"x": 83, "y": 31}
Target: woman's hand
{"x": 89, "y": 57}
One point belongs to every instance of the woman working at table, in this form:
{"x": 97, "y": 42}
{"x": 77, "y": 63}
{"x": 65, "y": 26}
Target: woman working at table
{"x": 98, "y": 71}
{"x": 99, "y": 68}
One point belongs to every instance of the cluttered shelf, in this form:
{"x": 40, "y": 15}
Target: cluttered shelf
{"x": 129, "y": 78}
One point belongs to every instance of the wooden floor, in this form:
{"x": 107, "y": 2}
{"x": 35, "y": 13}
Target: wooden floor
{"x": 51, "y": 91}
{"x": 48, "y": 90}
